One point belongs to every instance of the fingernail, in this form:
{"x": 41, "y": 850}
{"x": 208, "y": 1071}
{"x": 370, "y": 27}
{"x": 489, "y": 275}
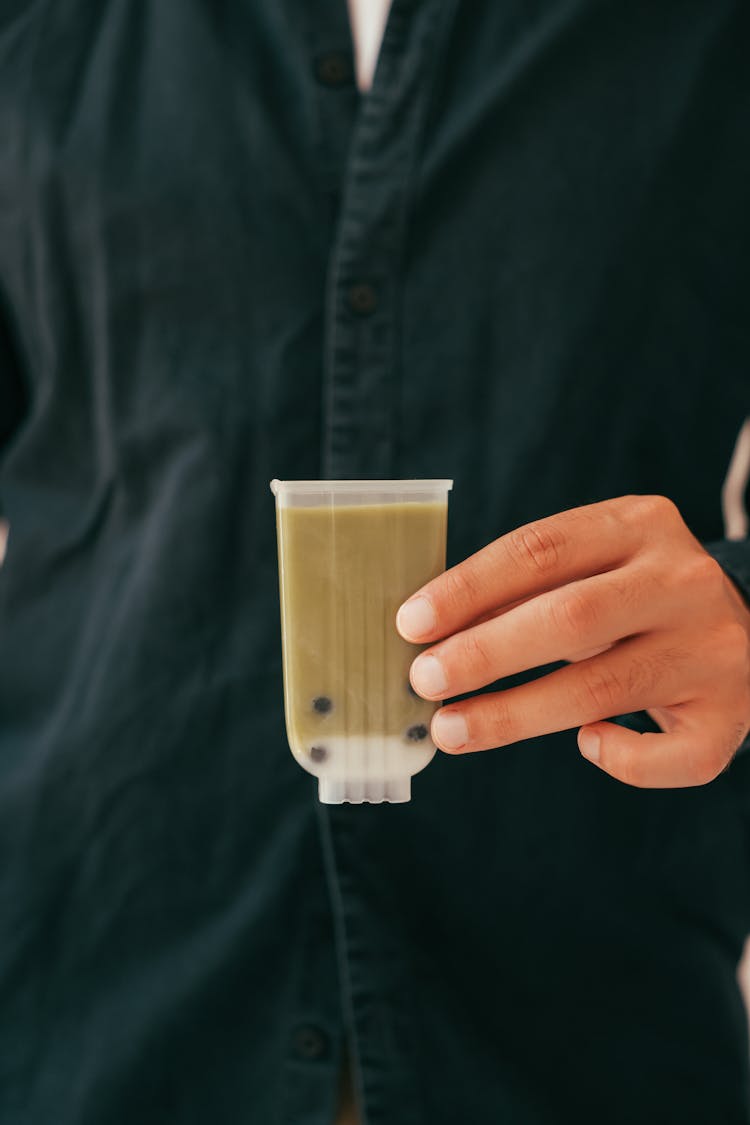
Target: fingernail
{"x": 589, "y": 743}
{"x": 428, "y": 676}
{"x": 416, "y": 618}
{"x": 449, "y": 729}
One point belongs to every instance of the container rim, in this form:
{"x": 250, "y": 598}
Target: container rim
{"x": 278, "y": 487}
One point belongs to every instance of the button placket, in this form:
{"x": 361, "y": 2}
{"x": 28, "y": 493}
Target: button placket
{"x": 359, "y": 428}
{"x": 361, "y": 357}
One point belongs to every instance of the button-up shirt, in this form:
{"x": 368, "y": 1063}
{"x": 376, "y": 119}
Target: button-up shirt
{"x": 520, "y": 261}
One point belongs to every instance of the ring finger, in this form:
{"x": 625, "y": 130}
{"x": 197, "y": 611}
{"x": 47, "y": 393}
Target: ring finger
{"x": 632, "y": 676}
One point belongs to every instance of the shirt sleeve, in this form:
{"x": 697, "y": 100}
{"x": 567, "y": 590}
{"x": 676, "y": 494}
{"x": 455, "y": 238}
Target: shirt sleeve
{"x": 733, "y": 555}
{"x": 12, "y": 392}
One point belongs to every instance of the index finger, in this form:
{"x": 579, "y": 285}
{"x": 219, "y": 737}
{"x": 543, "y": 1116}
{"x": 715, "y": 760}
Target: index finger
{"x": 531, "y": 559}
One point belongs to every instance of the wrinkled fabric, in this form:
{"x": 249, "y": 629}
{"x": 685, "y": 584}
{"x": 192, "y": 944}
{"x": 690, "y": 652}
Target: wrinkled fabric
{"x": 549, "y": 203}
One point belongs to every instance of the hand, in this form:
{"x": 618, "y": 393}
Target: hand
{"x": 646, "y": 619}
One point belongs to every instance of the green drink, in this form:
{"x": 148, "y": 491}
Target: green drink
{"x": 350, "y": 552}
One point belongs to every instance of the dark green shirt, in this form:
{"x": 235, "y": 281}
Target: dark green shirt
{"x": 520, "y": 261}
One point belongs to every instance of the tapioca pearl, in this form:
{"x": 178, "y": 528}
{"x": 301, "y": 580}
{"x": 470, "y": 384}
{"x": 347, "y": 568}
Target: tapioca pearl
{"x": 322, "y": 705}
{"x": 417, "y": 733}
{"x": 318, "y": 753}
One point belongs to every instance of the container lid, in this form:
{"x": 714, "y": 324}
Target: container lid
{"x": 394, "y": 487}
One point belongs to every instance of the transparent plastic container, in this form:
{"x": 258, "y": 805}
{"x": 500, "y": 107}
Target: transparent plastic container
{"x": 350, "y": 552}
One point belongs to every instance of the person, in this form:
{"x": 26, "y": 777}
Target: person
{"x": 519, "y": 260}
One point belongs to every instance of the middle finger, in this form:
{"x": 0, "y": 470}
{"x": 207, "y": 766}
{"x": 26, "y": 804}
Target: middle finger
{"x": 583, "y": 616}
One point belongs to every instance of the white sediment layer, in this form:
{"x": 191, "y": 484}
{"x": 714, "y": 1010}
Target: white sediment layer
{"x": 357, "y": 768}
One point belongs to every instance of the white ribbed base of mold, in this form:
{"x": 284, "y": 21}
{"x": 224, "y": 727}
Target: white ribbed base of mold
{"x": 373, "y": 768}
{"x": 338, "y": 790}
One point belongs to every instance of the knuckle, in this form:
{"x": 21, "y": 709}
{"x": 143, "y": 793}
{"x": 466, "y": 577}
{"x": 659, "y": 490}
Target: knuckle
{"x": 702, "y": 570}
{"x": 650, "y": 509}
{"x": 629, "y": 588}
{"x": 474, "y": 653}
{"x": 537, "y": 547}
{"x": 662, "y": 508}
{"x": 459, "y": 588}
{"x": 726, "y": 651}
{"x": 645, "y": 673}
{"x": 573, "y": 614}
{"x": 600, "y": 692}
{"x": 613, "y": 516}
{"x": 503, "y": 727}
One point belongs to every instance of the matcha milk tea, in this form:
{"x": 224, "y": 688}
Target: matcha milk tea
{"x": 350, "y": 552}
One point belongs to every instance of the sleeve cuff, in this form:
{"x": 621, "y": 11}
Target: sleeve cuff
{"x": 733, "y": 555}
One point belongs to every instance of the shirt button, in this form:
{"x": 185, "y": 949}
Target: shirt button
{"x": 310, "y": 1042}
{"x": 334, "y": 69}
{"x": 363, "y": 299}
